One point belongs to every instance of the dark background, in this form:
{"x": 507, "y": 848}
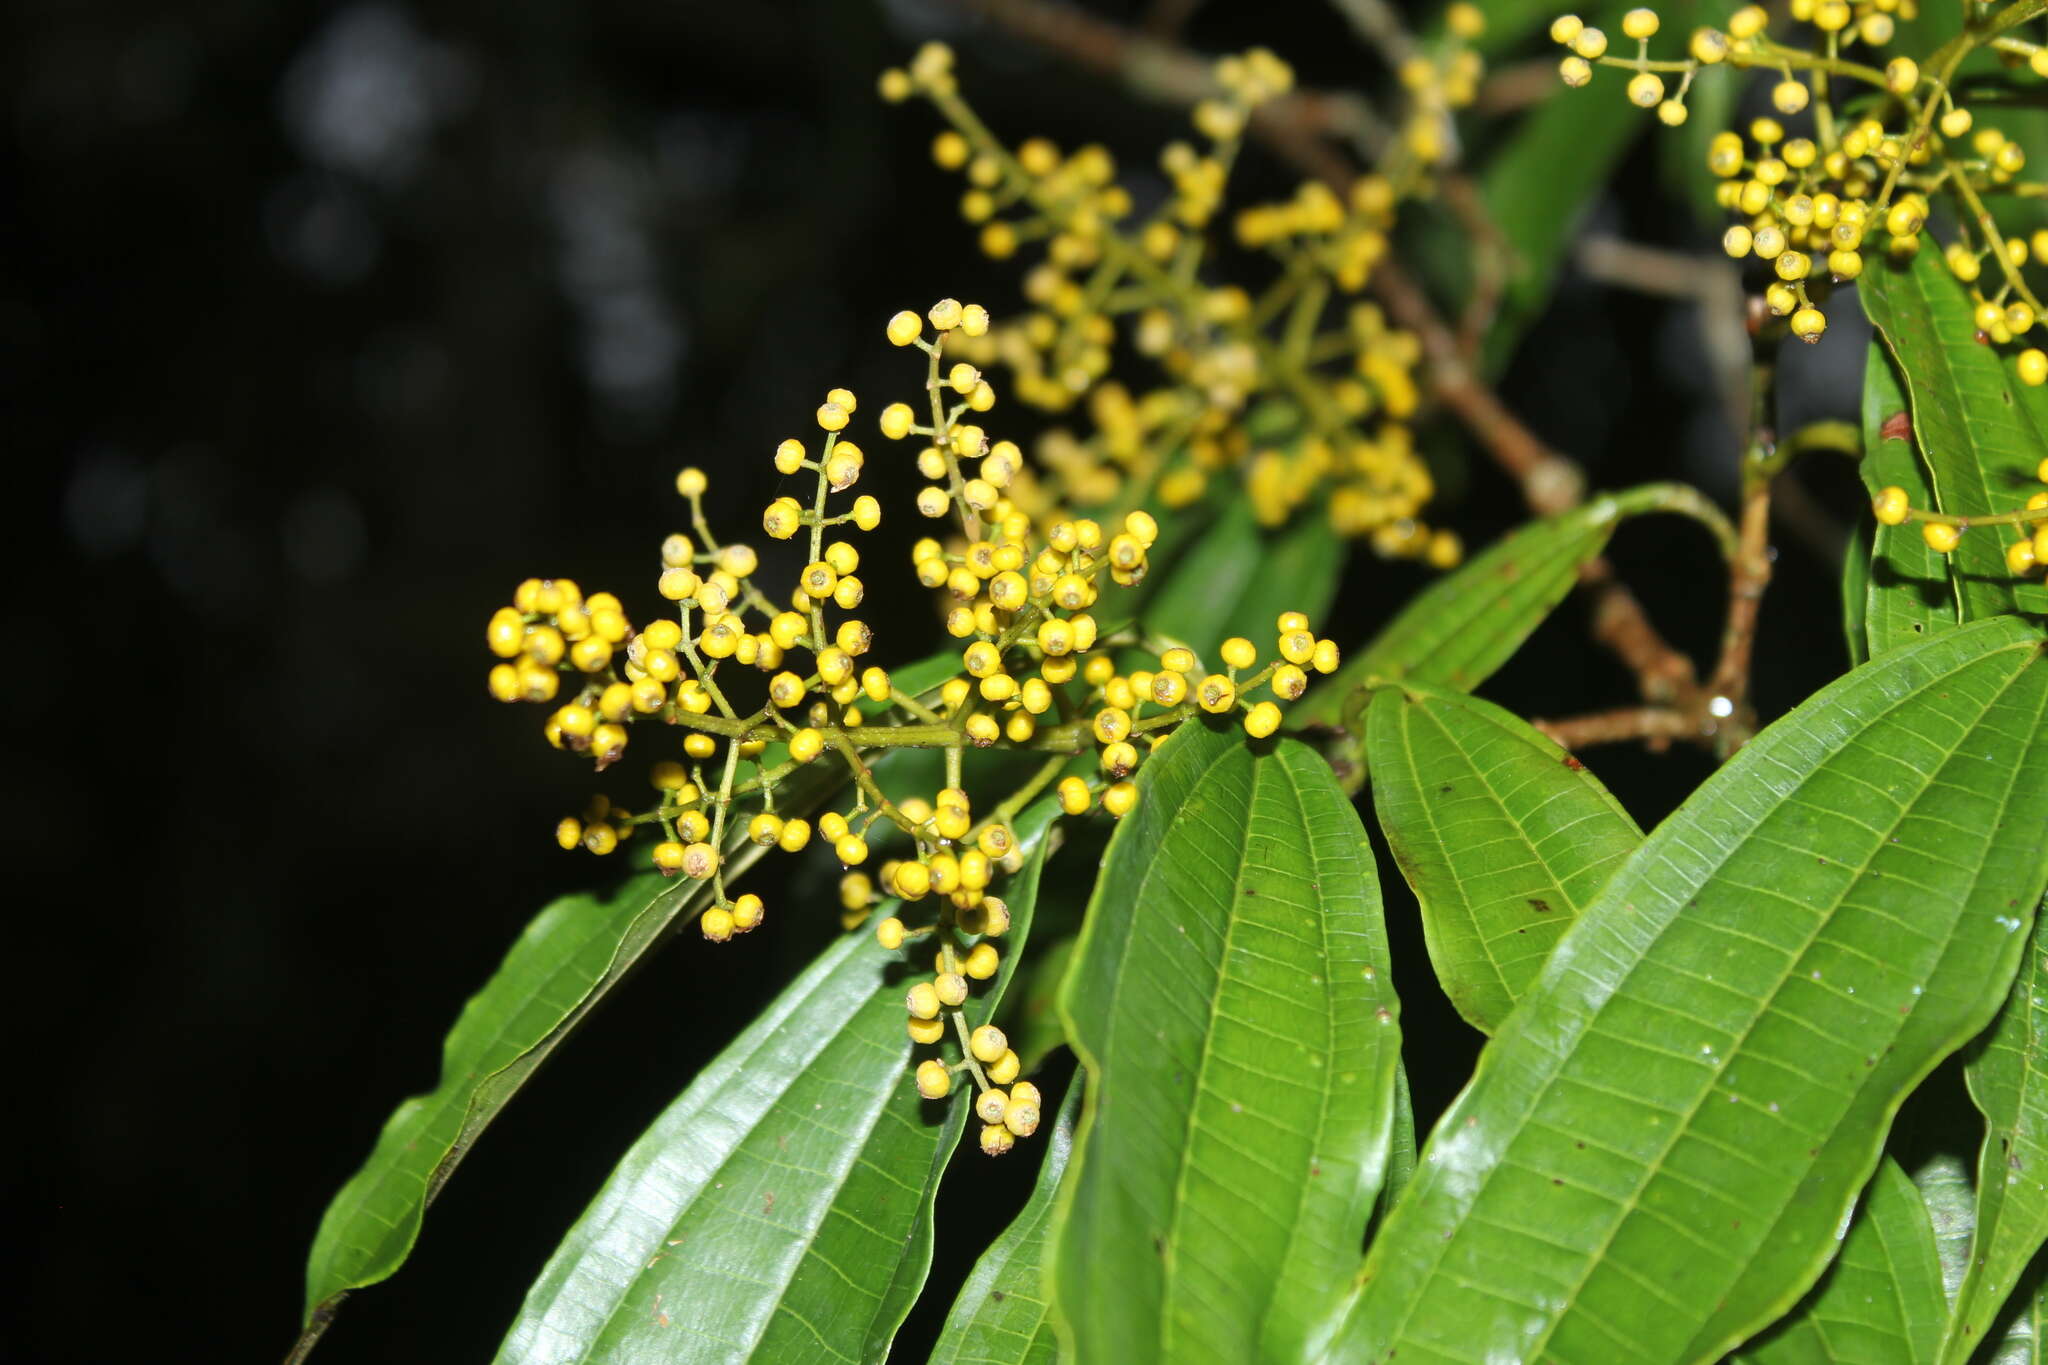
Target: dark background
{"x": 320, "y": 327}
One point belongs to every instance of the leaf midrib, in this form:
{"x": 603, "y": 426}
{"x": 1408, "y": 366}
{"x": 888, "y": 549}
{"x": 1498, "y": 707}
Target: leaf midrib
{"x": 1550, "y": 1080}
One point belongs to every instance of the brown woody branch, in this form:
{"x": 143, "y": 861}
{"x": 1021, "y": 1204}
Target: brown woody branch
{"x": 1296, "y": 127}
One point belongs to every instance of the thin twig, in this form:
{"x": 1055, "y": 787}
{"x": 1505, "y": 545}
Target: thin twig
{"x": 1549, "y": 482}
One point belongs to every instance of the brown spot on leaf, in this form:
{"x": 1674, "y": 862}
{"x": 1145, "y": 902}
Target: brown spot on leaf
{"x": 1897, "y": 427}
{"x": 1539, "y": 905}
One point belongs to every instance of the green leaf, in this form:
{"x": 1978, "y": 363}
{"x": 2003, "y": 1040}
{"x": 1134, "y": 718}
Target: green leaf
{"x": 1240, "y": 576}
{"x": 2008, "y": 1079}
{"x": 1400, "y": 1149}
{"x": 1657, "y": 1149}
{"x": 780, "y": 1209}
{"x": 1501, "y": 833}
{"x": 1001, "y": 1315}
{"x": 1880, "y": 1301}
{"x": 1980, "y": 444}
{"x": 567, "y": 958}
{"x": 1035, "y": 1028}
{"x": 1856, "y": 592}
{"x": 1536, "y": 188}
{"x": 1907, "y": 592}
{"x": 1231, "y": 1002}
{"x": 1462, "y": 627}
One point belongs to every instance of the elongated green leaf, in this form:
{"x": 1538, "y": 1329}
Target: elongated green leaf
{"x": 567, "y": 960}
{"x": 566, "y": 957}
{"x": 1658, "y": 1147}
{"x": 1400, "y": 1148}
{"x": 1467, "y": 623}
{"x": 2008, "y": 1079}
{"x": 1535, "y": 190}
{"x": 1880, "y": 1301}
{"x": 1239, "y": 577}
{"x": 1230, "y": 1000}
{"x": 1856, "y": 592}
{"x": 1001, "y": 1316}
{"x": 1501, "y": 833}
{"x": 1907, "y": 594}
{"x": 1980, "y": 444}
{"x": 780, "y": 1209}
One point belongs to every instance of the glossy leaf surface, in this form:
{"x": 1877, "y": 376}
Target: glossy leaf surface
{"x": 2008, "y": 1079}
{"x": 780, "y": 1208}
{"x": 1001, "y": 1316}
{"x": 1231, "y": 1002}
{"x": 1501, "y": 834}
{"x": 1658, "y": 1147}
{"x": 1462, "y": 627}
{"x": 1239, "y": 577}
{"x": 1980, "y": 442}
{"x": 1880, "y": 1301}
{"x": 1906, "y": 594}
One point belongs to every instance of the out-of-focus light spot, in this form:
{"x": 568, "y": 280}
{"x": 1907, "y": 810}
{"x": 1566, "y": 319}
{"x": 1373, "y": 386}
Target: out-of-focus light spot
{"x": 105, "y": 501}
{"x": 630, "y": 341}
{"x": 324, "y": 227}
{"x": 324, "y": 536}
{"x": 368, "y": 90}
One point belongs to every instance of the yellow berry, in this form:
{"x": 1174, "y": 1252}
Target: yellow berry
{"x": 922, "y": 1000}
{"x": 506, "y": 633}
{"x": 1640, "y": 23}
{"x": 981, "y": 962}
{"x": 1120, "y": 799}
{"x": 996, "y": 1140}
{"x": 926, "y": 1030}
{"x": 700, "y": 861}
{"x": 1940, "y": 536}
{"x": 747, "y": 913}
{"x": 1004, "y": 1069}
{"x": 1808, "y": 323}
{"x": 1020, "y": 1116}
{"x": 889, "y": 933}
{"x": 1074, "y": 796}
{"x": 691, "y": 483}
{"x": 1564, "y": 28}
{"x": 1901, "y": 74}
{"x": 945, "y": 315}
{"x": 1889, "y": 507}
{"x": 934, "y": 1081}
{"x": 569, "y": 832}
{"x": 1589, "y": 43}
{"x": 905, "y": 328}
{"x": 805, "y": 745}
{"x": 716, "y": 924}
{"x": 2033, "y": 367}
{"x": 1646, "y": 89}
{"x": 1262, "y": 720}
{"x": 1216, "y": 694}
{"x": 2019, "y": 556}
{"x": 851, "y": 849}
{"x": 951, "y": 988}
{"x": 987, "y": 1043}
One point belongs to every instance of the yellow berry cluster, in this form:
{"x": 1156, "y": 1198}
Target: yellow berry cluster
{"x": 775, "y": 682}
{"x": 2026, "y": 555}
{"x": 1887, "y": 141}
{"x": 1344, "y": 381}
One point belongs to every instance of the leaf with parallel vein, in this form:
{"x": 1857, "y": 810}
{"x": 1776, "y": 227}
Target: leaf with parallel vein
{"x": 1001, "y": 1316}
{"x": 1880, "y": 1301}
{"x": 1658, "y": 1147}
{"x": 1231, "y": 1002}
{"x": 780, "y": 1208}
{"x": 1502, "y": 835}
